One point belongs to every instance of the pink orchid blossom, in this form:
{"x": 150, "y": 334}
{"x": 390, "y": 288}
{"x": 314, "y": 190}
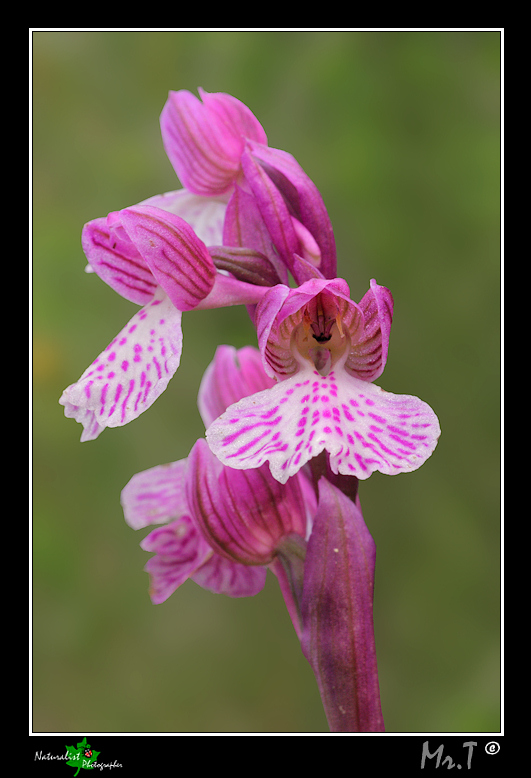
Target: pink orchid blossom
{"x": 218, "y": 147}
{"x": 158, "y": 496}
{"x": 222, "y": 527}
{"x": 152, "y": 256}
{"x": 325, "y": 351}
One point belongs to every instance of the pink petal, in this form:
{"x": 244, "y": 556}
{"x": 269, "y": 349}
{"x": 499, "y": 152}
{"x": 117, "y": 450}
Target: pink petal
{"x": 205, "y": 215}
{"x": 303, "y": 198}
{"x": 117, "y": 260}
{"x": 177, "y": 258}
{"x": 223, "y": 576}
{"x": 273, "y": 209}
{"x": 230, "y": 376}
{"x": 309, "y": 249}
{"x": 237, "y": 119}
{"x": 204, "y": 140}
{"x": 180, "y": 552}
{"x": 244, "y": 226}
{"x": 243, "y": 515}
{"x": 131, "y": 373}
{"x": 114, "y": 257}
{"x": 368, "y": 354}
{"x": 362, "y": 427}
{"x": 266, "y": 312}
{"x": 155, "y": 496}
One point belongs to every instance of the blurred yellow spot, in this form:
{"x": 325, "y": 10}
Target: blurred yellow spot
{"x": 46, "y": 359}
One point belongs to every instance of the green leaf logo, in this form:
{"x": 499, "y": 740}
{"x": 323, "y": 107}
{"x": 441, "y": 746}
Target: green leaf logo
{"x": 82, "y": 757}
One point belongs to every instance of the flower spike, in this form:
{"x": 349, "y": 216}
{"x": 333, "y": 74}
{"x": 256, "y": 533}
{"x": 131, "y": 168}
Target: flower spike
{"x": 291, "y": 427}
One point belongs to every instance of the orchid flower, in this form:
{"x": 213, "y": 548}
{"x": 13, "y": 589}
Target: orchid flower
{"x": 325, "y": 351}
{"x": 158, "y": 495}
{"x": 218, "y": 147}
{"x": 222, "y": 527}
{"x": 154, "y": 257}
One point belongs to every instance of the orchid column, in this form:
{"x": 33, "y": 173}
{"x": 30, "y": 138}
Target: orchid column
{"x": 292, "y": 426}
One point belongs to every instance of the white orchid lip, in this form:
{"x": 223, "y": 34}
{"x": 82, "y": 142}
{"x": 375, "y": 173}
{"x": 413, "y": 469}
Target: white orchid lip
{"x": 131, "y": 373}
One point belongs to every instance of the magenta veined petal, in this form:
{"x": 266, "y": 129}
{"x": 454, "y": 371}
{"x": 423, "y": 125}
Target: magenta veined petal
{"x": 155, "y": 496}
{"x": 231, "y": 375}
{"x": 178, "y": 259}
{"x": 224, "y": 576}
{"x": 159, "y": 495}
{"x": 116, "y": 259}
{"x": 135, "y": 368}
{"x": 304, "y": 201}
{"x": 245, "y": 227}
{"x": 205, "y": 215}
{"x": 235, "y": 117}
{"x": 244, "y": 515}
{"x": 362, "y": 427}
{"x": 367, "y": 326}
{"x": 273, "y": 209}
{"x": 204, "y": 139}
{"x": 368, "y": 354}
{"x": 180, "y": 551}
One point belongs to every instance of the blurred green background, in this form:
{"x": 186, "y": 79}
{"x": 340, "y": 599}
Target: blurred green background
{"x": 401, "y": 133}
